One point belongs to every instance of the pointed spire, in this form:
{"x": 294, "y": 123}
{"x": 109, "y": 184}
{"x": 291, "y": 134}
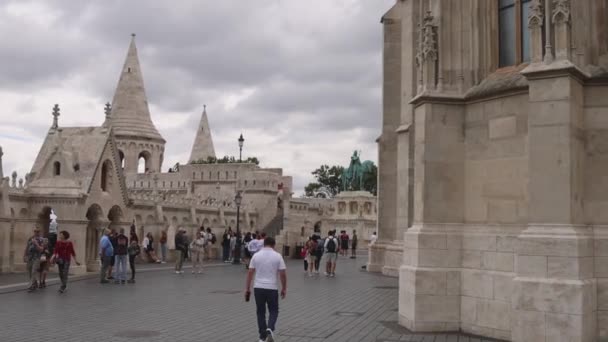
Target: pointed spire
{"x": 203, "y": 143}
{"x": 130, "y": 112}
{"x": 55, "y": 117}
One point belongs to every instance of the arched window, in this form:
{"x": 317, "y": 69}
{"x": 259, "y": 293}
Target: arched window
{"x": 57, "y": 168}
{"x": 121, "y": 156}
{"x": 514, "y": 34}
{"x": 106, "y": 175}
{"x": 144, "y": 162}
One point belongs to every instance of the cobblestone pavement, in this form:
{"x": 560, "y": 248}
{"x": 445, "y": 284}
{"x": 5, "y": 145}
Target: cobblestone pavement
{"x": 354, "y": 306}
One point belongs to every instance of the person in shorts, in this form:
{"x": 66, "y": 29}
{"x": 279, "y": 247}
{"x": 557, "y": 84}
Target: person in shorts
{"x": 311, "y": 254}
{"x": 331, "y": 253}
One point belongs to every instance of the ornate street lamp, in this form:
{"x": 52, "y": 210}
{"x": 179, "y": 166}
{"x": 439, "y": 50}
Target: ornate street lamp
{"x": 237, "y": 249}
{"x": 241, "y": 141}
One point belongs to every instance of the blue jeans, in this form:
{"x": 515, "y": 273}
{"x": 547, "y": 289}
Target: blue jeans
{"x": 163, "y": 251}
{"x": 121, "y": 267}
{"x": 265, "y": 297}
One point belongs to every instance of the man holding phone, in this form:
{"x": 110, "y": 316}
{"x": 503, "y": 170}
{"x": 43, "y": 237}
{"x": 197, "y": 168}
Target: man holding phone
{"x": 265, "y": 268}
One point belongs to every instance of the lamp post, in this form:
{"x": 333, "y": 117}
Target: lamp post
{"x": 241, "y": 141}
{"x": 237, "y": 249}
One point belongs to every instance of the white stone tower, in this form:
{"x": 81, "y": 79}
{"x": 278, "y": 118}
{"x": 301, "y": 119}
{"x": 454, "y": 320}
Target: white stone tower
{"x": 203, "y": 143}
{"x": 136, "y": 135}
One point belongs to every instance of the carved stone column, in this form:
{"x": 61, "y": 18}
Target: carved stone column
{"x": 535, "y": 23}
{"x": 563, "y": 30}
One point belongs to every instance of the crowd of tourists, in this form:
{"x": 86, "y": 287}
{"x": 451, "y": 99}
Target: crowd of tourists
{"x": 319, "y": 251}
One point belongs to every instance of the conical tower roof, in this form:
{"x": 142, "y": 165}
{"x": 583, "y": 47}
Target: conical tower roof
{"x": 130, "y": 113}
{"x": 203, "y": 144}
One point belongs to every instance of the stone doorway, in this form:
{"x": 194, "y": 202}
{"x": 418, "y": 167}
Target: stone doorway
{"x": 43, "y": 221}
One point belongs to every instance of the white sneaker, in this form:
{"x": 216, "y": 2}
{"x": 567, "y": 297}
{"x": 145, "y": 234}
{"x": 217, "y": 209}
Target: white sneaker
{"x": 176, "y": 272}
{"x": 199, "y": 272}
{"x": 269, "y": 336}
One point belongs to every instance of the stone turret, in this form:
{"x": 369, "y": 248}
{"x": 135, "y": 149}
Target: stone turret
{"x": 135, "y": 133}
{"x": 203, "y": 143}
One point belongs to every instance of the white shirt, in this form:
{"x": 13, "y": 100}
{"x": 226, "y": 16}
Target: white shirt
{"x": 255, "y": 245}
{"x": 372, "y": 239}
{"x": 335, "y": 241}
{"x": 267, "y": 263}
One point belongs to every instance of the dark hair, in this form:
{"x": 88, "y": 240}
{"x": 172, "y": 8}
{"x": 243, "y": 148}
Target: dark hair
{"x": 65, "y": 234}
{"x": 263, "y": 235}
{"x": 269, "y": 241}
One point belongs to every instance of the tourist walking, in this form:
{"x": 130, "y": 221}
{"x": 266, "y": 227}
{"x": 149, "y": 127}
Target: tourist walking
{"x": 112, "y": 236}
{"x": 106, "y": 253}
{"x": 344, "y": 239}
{"x": 133, "y": 251}
{"x": 319, "y": 253}
{"x": 121, "y": 253}
{"x": 62, "y": 256}
{"x": 232, "y": 247}
{"x": 353, "y": 245}
{"x": 331, "y": 253}
{"x": 45, "y": 261}
{"x": 31, "y": 256}
{"x": 149, "y": 248}
{"x": 163, "y": 246}
{"x": 226, "y": 246}
{"x": 246, "y": 253}
{"x": 311, "y": 247}
{"x": 265, "y": 268}
{"x": 257, "y": 244}
{"x": 197, "y": 252}
{"x": 372, "y": 239}
{"x": 181, "y": 246}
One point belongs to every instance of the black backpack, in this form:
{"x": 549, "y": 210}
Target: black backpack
{"x": 331, "y": 245}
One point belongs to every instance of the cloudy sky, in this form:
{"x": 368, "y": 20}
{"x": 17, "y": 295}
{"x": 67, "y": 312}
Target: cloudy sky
{"x": 300, "y": 79}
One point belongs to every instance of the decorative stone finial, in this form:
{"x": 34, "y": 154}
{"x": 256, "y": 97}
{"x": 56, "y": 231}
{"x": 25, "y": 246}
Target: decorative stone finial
{"x": 20, "y": 183}
{"x": 14, "y": 179}
{"x": 133, "y": 35}
{"x": 561, "y": 11}
{"x": 55, "y": 116}
{"x": 536, "y": 16}
{"x": 107, "y": 110}
{"x": 204, "y": 108}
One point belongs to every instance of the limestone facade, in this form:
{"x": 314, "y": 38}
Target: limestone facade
{"x": 348, "y": 210}
{"x": 492, "y": 177}
{"x": 90, "y": 177}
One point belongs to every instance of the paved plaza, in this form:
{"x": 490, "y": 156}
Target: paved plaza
{"x": 162, "y": 306}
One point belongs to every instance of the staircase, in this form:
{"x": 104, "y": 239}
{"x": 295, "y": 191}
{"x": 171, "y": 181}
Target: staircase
{"x": 275, "y": 226}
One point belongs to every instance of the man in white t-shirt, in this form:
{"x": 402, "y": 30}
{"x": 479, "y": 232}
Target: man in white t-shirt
{"x": 265, "y": 268}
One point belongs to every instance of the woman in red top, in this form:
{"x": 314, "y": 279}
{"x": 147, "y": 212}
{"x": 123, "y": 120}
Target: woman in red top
{"x": 64, "y": 251}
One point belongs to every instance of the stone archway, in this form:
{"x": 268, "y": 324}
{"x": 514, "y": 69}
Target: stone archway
{"x": 115, "y": 216}
{"x": 93, "y": 232}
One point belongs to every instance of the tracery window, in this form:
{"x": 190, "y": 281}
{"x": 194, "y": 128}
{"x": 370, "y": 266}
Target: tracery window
{"x": 514, "y": 34}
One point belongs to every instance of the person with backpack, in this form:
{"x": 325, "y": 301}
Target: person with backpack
{"x": 62, "y": 256}
{"x": 331, "y": 252}
{"x": 311, "y": 247}
{"x": 226, "y": 246}
{"x": 163, "y": 246}
{"x": 120, "y": 254}
{"x": 133, "y": 251}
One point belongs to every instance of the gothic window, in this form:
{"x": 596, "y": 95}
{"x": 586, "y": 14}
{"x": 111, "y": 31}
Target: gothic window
{"x": 514, "y": 34}
{"x": 106, "y": 175}
{"x": 57, "y": 168}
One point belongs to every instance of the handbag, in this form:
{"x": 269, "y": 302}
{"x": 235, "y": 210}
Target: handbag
{"x": 43, "y": 258}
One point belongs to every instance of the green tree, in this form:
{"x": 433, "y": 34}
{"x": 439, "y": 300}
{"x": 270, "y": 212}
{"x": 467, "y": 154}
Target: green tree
{"x": 326, "y": 177}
